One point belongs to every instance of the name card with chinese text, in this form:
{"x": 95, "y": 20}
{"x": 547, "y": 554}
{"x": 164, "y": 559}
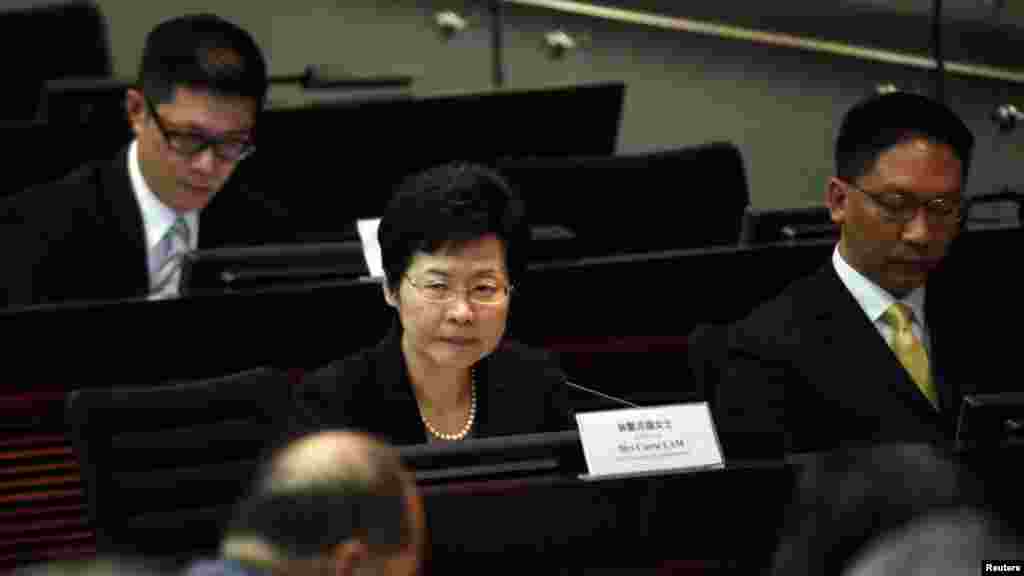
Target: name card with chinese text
{"x": 649, "y": 440}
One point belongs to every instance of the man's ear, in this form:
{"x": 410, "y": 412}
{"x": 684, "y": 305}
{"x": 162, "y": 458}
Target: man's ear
{"x": 837, "y": 196}
{"x": 390, "y": 297}
{"x": 347, "y": 557}
{"x": 135, "y": 109}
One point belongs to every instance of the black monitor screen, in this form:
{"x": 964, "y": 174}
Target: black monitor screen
{"x": 272, "y": 266}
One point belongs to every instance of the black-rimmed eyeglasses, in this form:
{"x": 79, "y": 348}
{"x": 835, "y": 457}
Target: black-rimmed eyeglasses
{"x": 188, "y": 144}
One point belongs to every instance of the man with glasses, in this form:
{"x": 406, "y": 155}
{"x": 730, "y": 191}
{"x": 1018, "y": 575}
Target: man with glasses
{"x": 869, "y": 348}
{"x": 119, "y": 229}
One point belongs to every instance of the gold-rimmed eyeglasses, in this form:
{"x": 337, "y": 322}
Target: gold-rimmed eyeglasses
{"x": 485, "y": 291}
{"x": 902, "y": 207}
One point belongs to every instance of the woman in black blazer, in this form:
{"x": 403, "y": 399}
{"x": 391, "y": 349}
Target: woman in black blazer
{"x": 451, "y": 242}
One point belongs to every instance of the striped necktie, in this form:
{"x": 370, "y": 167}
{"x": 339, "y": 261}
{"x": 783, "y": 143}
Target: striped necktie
{"x": 909, "y": 350}
{"x": 176, "y": 242}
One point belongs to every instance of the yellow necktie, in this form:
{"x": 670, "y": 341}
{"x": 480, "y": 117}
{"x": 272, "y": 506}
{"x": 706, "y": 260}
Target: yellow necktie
{"x": 909, "y": 349}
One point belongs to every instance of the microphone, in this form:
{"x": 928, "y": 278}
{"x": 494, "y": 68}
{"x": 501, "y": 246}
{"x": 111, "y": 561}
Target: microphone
{"x": 572, "y": 384}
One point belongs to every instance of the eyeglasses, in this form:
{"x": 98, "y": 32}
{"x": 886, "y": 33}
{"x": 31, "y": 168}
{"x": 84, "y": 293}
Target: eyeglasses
{"x": 486, "y": 292}
{"x": 189, "y": 144}
{"x": 900, "y": 207}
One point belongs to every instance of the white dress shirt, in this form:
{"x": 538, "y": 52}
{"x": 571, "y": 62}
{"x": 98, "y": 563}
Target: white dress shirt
{"x": 157, "y": 218}
{"x": 875, "y": 300}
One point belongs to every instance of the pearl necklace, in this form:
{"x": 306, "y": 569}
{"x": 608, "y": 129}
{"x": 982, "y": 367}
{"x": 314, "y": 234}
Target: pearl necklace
{"x": 469, "y": 422}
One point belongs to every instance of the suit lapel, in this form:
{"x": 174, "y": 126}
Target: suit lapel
{"x": 395, "y": 392}
{"x": 230, "y": 219}
{"x": 942, "y": 328}
{"x": 209, "y": 227}
{"x": 493, "y": 409}
{"x": 872, "y": 376}
{"x": 124, "y": 221}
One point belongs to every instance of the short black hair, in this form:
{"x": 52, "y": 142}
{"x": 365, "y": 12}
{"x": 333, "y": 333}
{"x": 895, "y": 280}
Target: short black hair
{"x": 204, "y": 52}
{"x": 880, "y": 122}
{"x": 305, "y": 521}
{"x": 448, "y": 205}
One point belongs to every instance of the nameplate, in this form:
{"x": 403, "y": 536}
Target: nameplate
{"x": 648, "y": 440}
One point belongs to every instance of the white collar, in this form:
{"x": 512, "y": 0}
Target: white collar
{"x": 157, "y": 217}
{"x": 874, "y": 299}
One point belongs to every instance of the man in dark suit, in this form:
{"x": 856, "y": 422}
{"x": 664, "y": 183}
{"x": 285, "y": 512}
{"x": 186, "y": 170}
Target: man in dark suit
{"x": 118, "y": 229}
{"x": 870, "y": 348}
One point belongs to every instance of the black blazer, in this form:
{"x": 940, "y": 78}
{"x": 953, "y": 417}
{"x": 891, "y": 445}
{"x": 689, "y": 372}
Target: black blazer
{"x": 808, "y": 371}
{"x": 81, "y": 238}
{"x": 520, "y": 390}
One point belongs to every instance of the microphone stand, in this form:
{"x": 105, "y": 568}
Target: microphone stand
{"x": 497, "y": 43}
{"x": 940, "y": 64}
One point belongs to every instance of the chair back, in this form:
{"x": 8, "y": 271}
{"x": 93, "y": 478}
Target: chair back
{"x": 55, "y": 40}
{"x": 163, "y": 466}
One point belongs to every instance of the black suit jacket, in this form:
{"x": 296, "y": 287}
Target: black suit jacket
{"x": 82, "y": 238}
{"x": 520, "y": 390}
{"x": 808, "y": 371}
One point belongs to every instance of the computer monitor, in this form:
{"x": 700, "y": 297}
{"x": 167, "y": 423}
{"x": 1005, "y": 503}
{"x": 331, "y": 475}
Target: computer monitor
{"x": 991, "y": 421}
{"x": 496, "y": 457}
{"x": 248, "y": 269}
{"x": 83, "y": 33}
{"x": 339, "y": 150}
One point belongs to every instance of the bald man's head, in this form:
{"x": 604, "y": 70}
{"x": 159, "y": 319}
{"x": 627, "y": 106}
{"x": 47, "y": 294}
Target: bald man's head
{"x": 942, "y": 542}
{"x": 328, "y": 495}
{"x": 330, "y": 457}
